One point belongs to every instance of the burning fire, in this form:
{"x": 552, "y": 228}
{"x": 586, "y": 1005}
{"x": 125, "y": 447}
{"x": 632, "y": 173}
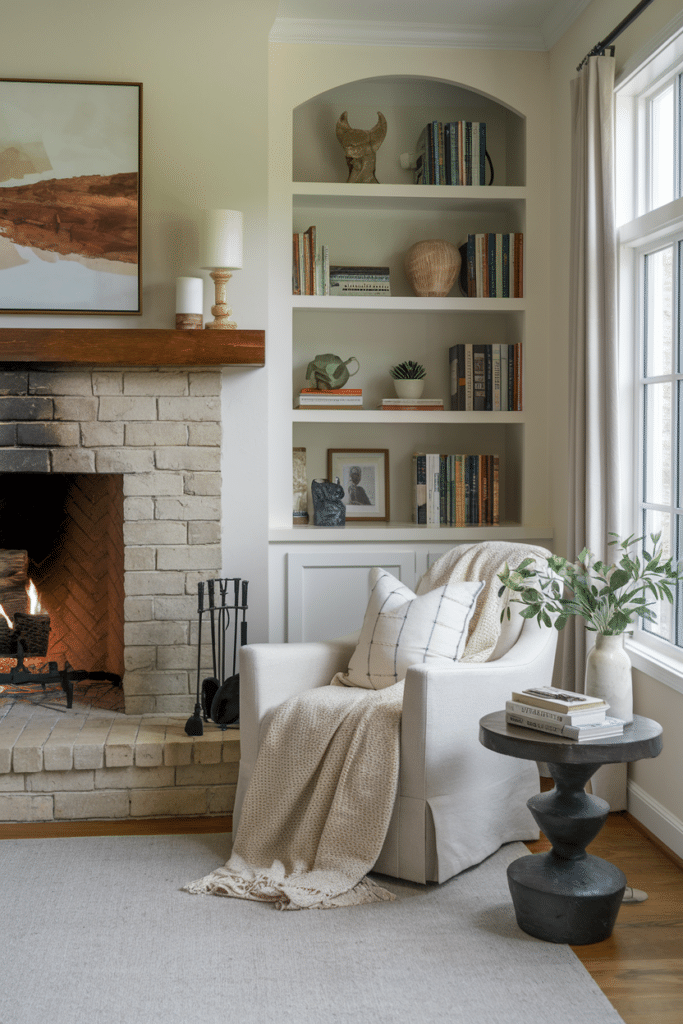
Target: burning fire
{"x": 34, "y": 605}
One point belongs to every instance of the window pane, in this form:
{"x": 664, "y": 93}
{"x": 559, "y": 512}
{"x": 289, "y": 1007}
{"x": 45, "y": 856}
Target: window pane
{"x": 656, "y": 522}
{"x": 657, "y": 444}
{"x": 658, "y": 312}
{"x": 663, "y": 148}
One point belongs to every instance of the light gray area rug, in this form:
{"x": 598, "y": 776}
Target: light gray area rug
{"x": 97, "y": 931}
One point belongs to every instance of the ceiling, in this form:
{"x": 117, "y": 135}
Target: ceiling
{"x": 509, "y": 24}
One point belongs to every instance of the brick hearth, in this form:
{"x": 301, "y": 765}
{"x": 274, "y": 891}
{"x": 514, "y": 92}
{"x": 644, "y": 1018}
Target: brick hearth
{"x": 93, "y": 764}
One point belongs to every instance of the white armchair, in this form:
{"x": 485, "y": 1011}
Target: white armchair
{"x": 457, "y": 802}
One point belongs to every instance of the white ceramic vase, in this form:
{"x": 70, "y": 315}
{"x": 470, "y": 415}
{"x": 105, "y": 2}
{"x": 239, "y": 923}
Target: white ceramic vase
{"x": 608, "y": 675}
{"x": 409, "y": 388}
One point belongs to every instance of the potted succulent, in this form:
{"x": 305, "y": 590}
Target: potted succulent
{"x": 409, "y": 379}
{"x": 607, "y": 597}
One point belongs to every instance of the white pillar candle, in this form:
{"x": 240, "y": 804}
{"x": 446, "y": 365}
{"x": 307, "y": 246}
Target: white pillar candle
{"x": 189, "y": 295}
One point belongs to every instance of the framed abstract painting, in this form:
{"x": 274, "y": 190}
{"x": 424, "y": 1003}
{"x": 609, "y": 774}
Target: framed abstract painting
{"x": 70, "y": 188}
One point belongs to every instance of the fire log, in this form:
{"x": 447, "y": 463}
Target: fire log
{"x": 13, "y": 581}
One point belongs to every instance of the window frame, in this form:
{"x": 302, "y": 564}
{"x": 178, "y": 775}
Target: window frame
{"x": 640, "y": 232}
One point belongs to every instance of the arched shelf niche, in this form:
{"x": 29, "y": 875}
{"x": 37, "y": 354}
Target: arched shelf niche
{"x": 408, "y": 103}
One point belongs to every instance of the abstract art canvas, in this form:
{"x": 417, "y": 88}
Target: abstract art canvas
{"x": 70, "y": 170}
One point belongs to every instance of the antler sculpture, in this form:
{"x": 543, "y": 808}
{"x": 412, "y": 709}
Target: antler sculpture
{"x": 360, "y": 147}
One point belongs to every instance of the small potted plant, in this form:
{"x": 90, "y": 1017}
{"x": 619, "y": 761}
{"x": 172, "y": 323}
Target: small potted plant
{"x": 607, "y": 597}
{"x": 409, "y": 379}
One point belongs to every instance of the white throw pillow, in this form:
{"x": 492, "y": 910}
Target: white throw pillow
{"x": 401, "y": 629}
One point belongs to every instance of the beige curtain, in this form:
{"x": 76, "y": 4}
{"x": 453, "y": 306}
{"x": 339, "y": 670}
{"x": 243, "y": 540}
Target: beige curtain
{"x": 593, "y": 398}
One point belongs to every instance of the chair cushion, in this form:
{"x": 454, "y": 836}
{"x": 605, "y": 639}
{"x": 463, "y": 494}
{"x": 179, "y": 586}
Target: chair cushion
{"x": 401, "y": 629}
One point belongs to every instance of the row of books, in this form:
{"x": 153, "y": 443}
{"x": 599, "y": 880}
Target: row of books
{"x": 455, "y": 490}
{"x": 493, "y": 266}
{"x": 452, "y": 153}
{"x": 486, "y": 378}
{"x": 310, "y": 264}
{"x": 575, "y": 716}
{"x": 333, "y": 398}
{"x": 313, "y": 275}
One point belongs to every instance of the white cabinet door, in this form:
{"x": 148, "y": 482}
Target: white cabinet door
{"x": 327, "y": 592}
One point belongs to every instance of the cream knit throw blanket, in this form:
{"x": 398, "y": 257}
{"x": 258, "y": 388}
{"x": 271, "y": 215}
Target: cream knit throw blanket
{"x": 481, "y": 562}
{"x": 318, "y": 806}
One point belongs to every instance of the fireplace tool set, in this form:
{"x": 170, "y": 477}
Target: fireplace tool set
{"x": 28, "y": 638}
{"x": 218, "y": 695}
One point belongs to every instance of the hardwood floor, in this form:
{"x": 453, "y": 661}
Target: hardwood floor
{"x": 639, "y": 968}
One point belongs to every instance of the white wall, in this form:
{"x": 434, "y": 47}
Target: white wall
{"x": 655, "y": 788}
{"x": 204, "y": 72}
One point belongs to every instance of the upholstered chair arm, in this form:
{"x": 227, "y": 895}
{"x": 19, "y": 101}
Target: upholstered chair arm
{"x": 269, "y": 675}
{"x": 442, "y": 761}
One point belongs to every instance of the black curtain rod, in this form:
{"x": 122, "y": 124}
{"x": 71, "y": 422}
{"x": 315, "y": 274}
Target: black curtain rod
{"x": 600, "y": 48}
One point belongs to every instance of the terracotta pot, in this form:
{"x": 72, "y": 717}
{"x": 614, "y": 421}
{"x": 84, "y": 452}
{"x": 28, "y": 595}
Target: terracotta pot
{"x": 432, "y": 267}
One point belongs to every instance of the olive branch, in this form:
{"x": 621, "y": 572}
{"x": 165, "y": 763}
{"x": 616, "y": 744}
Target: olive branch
{"x": 607, "y": 597}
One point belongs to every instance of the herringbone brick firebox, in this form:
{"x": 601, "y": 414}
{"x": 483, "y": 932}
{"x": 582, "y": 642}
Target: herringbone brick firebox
{"x": 136, "y": 453}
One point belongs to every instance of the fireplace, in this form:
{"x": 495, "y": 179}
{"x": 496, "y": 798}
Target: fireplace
{"x": 110, "y": 479}
{"x": 71, "y": 528}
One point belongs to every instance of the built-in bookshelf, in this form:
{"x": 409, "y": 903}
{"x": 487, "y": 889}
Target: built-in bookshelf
{"x": 374, "y": 225}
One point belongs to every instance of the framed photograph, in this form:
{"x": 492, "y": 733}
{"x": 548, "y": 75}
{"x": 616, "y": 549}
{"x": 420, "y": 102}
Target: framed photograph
{"x": 70, "y": 186}
{"x": 364, "y": 475}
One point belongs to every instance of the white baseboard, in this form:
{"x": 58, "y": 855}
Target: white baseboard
{"x": 656, "y": 819}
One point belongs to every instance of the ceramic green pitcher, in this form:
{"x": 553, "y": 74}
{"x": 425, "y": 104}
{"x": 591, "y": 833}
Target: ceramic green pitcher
{"x": 329, "y": 371}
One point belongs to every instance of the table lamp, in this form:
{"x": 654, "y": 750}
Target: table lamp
{"x": 221, "y": 253}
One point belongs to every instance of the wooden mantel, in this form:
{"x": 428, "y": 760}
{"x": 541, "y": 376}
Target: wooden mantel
{"x": 131, "y": 347}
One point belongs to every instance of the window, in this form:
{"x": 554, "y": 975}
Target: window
{"x": 650, "y": 224}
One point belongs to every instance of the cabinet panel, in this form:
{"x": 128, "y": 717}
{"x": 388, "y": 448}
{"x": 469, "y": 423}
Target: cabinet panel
{"x": 327, "y": 592}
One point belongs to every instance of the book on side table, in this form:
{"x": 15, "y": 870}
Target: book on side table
{"x": 575, "y": 716}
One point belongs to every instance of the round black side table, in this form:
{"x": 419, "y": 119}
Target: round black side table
{"x": 568, "y": 895}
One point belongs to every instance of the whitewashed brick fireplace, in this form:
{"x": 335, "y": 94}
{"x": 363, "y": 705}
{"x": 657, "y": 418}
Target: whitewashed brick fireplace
{"x": 159, "y": 428}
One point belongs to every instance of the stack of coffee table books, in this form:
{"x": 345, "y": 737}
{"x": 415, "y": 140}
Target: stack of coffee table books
{"x": 576, "y": 716}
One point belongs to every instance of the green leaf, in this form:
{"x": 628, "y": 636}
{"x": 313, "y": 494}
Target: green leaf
{"x": 618, "y": 579}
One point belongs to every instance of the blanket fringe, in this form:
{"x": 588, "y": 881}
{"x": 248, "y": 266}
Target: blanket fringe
{"x": 264, "y": 890}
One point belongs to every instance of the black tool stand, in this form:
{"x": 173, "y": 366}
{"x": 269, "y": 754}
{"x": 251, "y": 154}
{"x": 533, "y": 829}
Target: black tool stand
{"x": 568, "y": 895}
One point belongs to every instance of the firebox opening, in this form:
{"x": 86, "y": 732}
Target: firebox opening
{"x": 71, "y": 526}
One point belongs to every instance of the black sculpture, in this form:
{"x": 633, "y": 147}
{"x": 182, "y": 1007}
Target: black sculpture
{"x": 328, "y": 507}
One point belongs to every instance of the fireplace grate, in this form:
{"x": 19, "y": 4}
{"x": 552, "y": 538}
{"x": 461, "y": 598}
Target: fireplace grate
{"x": 48, "y": 674}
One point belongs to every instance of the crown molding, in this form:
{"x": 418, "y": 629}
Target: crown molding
{"x": 376, "y": 33}
{"x": 560, "y": 20}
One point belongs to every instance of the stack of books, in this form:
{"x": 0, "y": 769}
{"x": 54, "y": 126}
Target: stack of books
{"x": 562, "y": 713}
{"x": 486, "y": 378}
{"x": 452, "y": 153}
{"x": 359, "y": 281}
{"x": 333, "y": 398}
{"x": 414, "y": 404}
{"x": 310, "y": 264}
{"x": 455, "y": 490}
{"x": 493, "y": 266}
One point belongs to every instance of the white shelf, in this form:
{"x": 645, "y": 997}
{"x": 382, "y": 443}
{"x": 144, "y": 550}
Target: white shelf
{"x": 404, "y": 304}
{"x": 327, "y": 195}
{"x": 377, "y": 416}
{"x": 395, "y": 532}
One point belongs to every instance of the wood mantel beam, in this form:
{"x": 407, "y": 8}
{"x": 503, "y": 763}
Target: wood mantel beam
{"x": 131, "y": 347}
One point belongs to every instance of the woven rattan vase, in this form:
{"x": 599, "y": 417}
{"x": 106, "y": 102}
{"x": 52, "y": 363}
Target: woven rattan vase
{"x": 432, "y": 267}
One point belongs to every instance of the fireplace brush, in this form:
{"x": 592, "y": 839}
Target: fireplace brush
{"x": 217, "y": 697}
